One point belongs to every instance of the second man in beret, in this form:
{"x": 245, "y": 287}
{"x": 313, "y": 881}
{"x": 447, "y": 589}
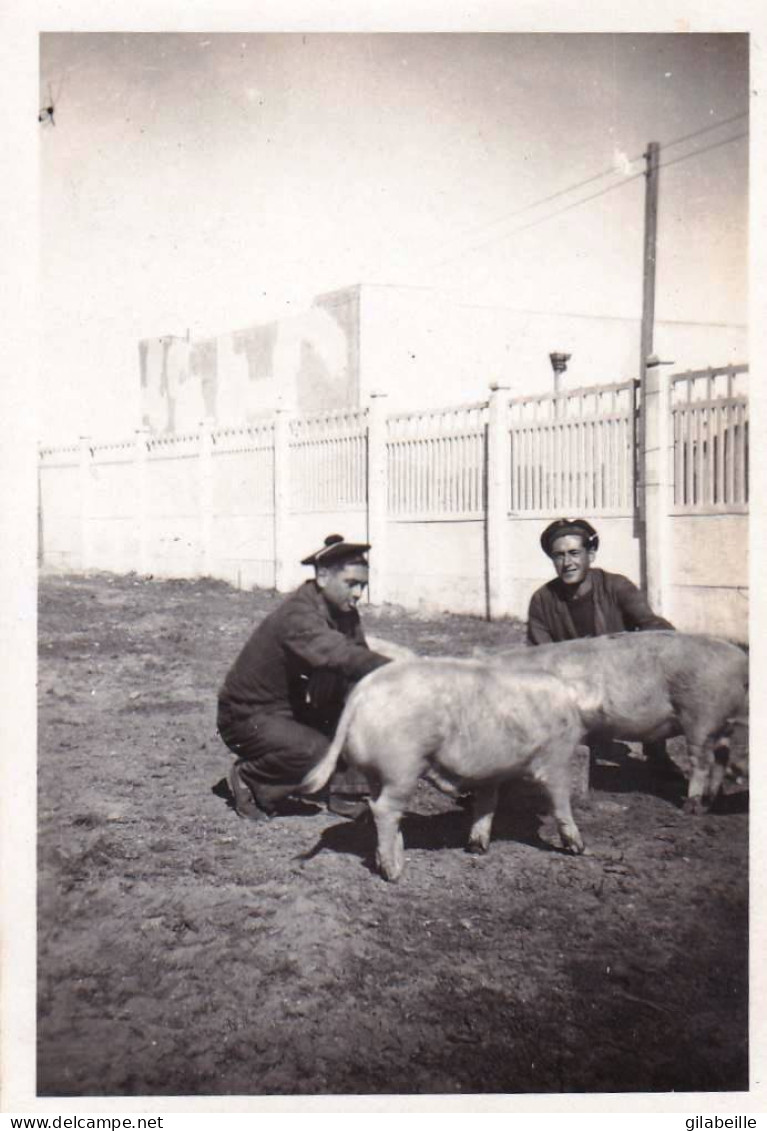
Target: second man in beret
{"x": 583, "y": 600}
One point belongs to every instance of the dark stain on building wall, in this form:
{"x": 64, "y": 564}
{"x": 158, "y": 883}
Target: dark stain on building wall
{"x": 203, "y": 363}
{"x": 257, "y": 343}
{"x": 317, "y": 388}
{"x": 143, "y": 349}
{"x": 165, "y": 386}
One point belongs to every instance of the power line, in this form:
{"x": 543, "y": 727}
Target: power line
{"x": 612, "y": 171}
{"x": 704, "y": 130}
{"x": 706, "y": 149}
{"x": 586, "y": 199}
{"x": 541, "y": 220}
{"x": 544, "y": 200}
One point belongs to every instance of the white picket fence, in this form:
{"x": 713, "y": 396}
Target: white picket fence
{"x": 328, "y": 461}
{"x": 710, "y": 436}
{"x": 574, "y": 452}
{"x": 436, "y": 462}
{"x": 240, "y": 503}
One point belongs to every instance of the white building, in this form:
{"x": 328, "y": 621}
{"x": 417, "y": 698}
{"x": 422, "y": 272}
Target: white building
{"x": 411, "y": 343}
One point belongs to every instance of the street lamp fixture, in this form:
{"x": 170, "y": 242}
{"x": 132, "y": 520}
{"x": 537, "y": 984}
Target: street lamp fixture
{"x": 559, "y": 365}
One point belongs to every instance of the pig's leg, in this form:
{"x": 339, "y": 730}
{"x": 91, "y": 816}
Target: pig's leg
{"x": 557, "y": 785}
{"x": 387, "y": 810}
{"x": 484, "y": 800}
{"x": 709, "y": 763}
{"x": 701, "y": 757}
{"x": 719, "y": 768}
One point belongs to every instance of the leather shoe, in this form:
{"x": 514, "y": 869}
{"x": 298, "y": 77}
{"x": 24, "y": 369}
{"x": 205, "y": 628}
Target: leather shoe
{"x": 346, "y": 806}
{"x": 245, "y": 804}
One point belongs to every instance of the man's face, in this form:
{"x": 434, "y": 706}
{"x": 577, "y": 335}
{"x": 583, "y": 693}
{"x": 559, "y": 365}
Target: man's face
{"x": 343, "y": 587}
{"x": 571, "y": 559}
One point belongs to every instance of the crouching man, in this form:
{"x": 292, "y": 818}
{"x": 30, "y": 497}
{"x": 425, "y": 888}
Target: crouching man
{"x": 585, "y": 601}
{"x": 282, "y": 698}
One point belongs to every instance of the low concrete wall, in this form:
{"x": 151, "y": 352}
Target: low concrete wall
{"x": 113, "y": 545}
{"x": 708, "y": 576}
{"x": 437, "y": 566}
{"x": 239, "y": 526}
{"x": 110, "y": 530}
{"x": 59, "y": 526}
{"x": 242, "y": 550}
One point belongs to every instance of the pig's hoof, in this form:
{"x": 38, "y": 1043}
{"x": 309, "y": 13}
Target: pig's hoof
{"x": 693, "y": 806}
{"x": 390, "y": 873}
{"x": 475, "y": 848}
{"x": 571, "y": 839}
{"x": 391, "y": 876}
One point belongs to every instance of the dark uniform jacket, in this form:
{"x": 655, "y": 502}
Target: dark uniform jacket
{"x": 302, "y": 657}
{"x": 618, "y": 607}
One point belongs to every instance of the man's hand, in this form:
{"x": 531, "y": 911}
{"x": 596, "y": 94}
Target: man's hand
{"x": 326, "y": 690}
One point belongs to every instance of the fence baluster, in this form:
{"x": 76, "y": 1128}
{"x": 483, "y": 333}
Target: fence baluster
{"x": 740, "y": 463}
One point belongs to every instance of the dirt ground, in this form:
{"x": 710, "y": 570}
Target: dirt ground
{"x": 183, "y": 951}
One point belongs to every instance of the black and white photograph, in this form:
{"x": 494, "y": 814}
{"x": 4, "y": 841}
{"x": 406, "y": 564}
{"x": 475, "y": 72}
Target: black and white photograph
{"x": 392, "y": 475}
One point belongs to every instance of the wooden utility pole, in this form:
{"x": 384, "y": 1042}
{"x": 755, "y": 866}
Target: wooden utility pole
{"x": 652, "y": 160}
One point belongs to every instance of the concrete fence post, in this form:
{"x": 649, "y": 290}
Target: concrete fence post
{"x": 498, "y": 470}
{"x": 86, "y": 457}
{"x": 657, "y": 472}
{"x": 282, "y": 575}
{"x": 40, "y": 521}
{"x": 141, "y": 515}
{"x": 205, "y": 469}
{"x": 378, "y": 490}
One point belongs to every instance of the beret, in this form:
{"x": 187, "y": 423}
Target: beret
{"x": 563, "y": 526}
{"x": 336, "y": 550}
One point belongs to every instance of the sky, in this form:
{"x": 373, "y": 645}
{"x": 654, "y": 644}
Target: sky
{"x": 205, "y": 182}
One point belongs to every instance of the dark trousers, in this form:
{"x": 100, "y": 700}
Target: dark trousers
{"x": 279, "y": 750}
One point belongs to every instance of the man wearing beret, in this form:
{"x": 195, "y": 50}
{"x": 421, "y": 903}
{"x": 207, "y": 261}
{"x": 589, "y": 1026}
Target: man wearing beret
{"x": 582, "y": 600}
{"x": 283, "y": 696}
{"x": 585, "y": 601}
